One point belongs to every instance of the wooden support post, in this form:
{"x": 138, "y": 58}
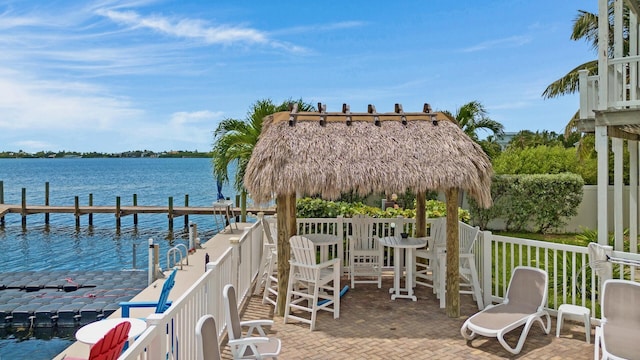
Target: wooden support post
{"x": 91, "y": 212}
{"x": 453, "y": 255}
{"x": 285, "y": 216}
{"x": 23, "y": 212}
{"x": 421, "y": 214}
{"x": 76, "y": 212}
{"x": 117, "y": 212}
{"x": 170, "y": 214}
{"x": 237, "y": 206}
{"x": 2, "y": 200}
{"x": 186, "y": 216}
{"x": 135, "y": 215}
{"x": 46, "y": 202}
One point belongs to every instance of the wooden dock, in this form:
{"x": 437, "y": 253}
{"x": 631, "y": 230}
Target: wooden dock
{"x": 120, "y": 211}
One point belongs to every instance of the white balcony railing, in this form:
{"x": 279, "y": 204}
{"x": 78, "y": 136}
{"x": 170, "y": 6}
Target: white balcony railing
{"x": 172, "y": 334}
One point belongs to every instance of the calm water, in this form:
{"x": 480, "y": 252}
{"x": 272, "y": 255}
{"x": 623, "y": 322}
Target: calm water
{"x": 61, "y": 245}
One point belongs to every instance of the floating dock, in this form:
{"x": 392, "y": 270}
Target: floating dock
{"x": 64, "y": 298}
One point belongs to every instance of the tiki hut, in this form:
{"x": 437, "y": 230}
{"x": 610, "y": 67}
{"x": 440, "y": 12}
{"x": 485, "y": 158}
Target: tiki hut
{"x": 327, "y": 154}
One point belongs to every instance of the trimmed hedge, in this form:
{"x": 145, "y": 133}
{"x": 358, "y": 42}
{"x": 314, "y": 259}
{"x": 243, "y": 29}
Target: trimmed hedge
{"x": 541, "y": 202}
{"x": 318, "y": 208}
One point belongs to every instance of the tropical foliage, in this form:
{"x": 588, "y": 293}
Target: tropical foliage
{"x": 545, "y": 160}
{"x": 473, "y": 117}
{"x": 540, "y": 202}
{"x": 235, "y": 139}
{"x": 317, "y": 208}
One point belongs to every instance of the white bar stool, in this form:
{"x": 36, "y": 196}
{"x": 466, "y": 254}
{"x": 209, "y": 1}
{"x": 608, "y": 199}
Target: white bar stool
{"x": 577, "y": 311}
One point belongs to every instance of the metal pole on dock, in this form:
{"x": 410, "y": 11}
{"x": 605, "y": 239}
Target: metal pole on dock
{"x": 151, "y": 266}
{"x": 170, "y": 215}
{"x": 186, "y": 216}
{"x": 90, "y": 213}
{"x": 24, "y": 207}
{"x": 46, "y": 201}
{"x": 135, "y": 215}
{"x": 76, "y": 205}
{"x": 118, "y": 212}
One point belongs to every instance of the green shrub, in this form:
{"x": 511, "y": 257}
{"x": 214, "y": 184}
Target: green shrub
{"x": 317, "y": 208}
{"x": 540, "y": 201}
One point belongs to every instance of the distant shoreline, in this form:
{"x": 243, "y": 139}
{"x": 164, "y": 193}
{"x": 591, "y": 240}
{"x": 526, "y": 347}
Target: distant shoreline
{"x": 93, "y": 155}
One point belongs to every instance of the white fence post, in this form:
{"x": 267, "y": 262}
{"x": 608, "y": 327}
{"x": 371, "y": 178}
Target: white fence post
{"x": 234, "y": 241}
{"x": 487, "y": 240}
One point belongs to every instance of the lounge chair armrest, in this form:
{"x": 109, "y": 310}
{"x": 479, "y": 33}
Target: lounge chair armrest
{"x": 127, "y": 305}
{"x": 238, "y": 346}
{"x": 249, "y": 340}
{"x": 256, "y": 325}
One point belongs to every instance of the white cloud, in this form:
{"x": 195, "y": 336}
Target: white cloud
{"x": 196, "y": 117}
{"x": 35, "y": 104}
{"x": 513, "y": 41}
{"x": 196, "y": 29}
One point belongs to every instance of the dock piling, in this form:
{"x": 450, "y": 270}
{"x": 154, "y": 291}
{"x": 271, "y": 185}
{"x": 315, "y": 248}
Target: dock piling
{"x": 90, "y": 213}
{"x": 170, "y": 213}
{"x": 186, "y": 204}
{"x": 76, "y": 204}
{"x": 2, "y": 200}
{"x": 24, "y": 207}
{"x": 118, "y": 212}
{"x": 135, "y": 203}
{"x": 46, "y": 202}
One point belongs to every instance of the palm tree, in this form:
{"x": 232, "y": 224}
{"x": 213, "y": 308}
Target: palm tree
{"x": 234, "y": 141}
{"x": 472, "y": 117}
{"x": 585, "y": 26}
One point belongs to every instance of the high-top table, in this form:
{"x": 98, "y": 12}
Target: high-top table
{"x": 224, "y": 209}
{"x": 401, "y": 245}
{"x": 92, "y": 332}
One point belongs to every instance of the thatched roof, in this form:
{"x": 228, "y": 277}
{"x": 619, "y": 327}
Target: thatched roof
{"x": 300, "y": 154}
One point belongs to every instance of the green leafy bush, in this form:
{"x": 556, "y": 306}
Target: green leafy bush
{"x": 545, "y": 160}
{"x": 317, "y": 208}
{"x": 540, "y": 201}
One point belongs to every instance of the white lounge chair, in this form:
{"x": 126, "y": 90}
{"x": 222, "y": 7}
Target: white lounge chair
{"x": 617, "y": 334}
{"x": 312, "y": 287}
{"x": 523, "y": 304}
{"x": 247, "y": 346}
{"x": 207, "y": 346}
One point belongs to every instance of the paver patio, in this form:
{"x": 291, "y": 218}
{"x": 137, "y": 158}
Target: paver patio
{"x": 372, "y": 326}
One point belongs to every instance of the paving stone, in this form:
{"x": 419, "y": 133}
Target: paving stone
{"x": 372, "y": 326}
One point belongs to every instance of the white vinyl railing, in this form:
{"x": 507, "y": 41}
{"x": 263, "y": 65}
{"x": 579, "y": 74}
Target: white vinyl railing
{"x": 172, "y": 334}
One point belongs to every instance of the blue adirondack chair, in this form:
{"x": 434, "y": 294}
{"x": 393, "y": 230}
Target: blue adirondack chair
{"x": 161, "y": 305}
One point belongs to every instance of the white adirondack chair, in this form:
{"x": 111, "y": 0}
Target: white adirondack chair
{"x": 365, "y": 252}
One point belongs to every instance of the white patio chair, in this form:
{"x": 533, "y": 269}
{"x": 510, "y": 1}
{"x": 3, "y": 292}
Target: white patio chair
{"x": 469, "y": 282}
{"x": 269, "y": 263}
{"x": 207, "y": 346}
{"x": 247, "y": 346}
{"x": 523, "y": 304}
{"x": 426, "y": 258}
{"x": 617, "y": 334}
{"x": 312, "y": 287}
{"x": 365, "y": 252}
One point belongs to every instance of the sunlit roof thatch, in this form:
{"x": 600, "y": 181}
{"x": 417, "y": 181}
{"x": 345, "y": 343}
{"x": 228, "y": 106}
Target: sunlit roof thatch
{"x": 324, "y": 153}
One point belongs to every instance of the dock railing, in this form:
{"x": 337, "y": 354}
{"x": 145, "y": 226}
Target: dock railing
{"x": 570, "y": 279}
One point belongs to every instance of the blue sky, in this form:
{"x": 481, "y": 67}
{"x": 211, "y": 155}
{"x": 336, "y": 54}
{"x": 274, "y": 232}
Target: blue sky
{"x": 112, "y": 76}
